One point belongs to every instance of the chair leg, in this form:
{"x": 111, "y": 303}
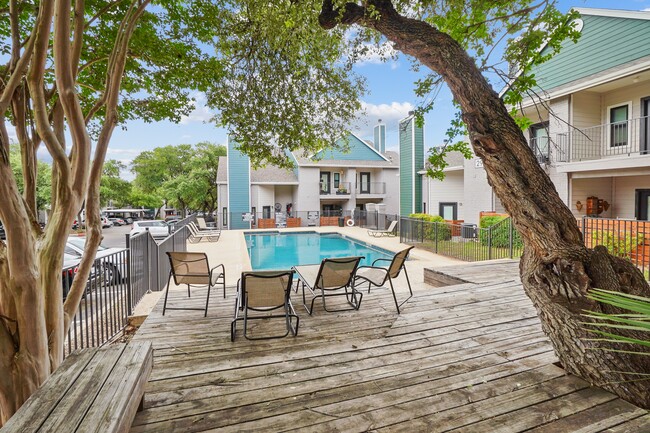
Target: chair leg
{"x": 408, "y": 283}
{"x": 167, "y": 293}
{"x": 207, "y": 300}
{"x": 392, "y": 289}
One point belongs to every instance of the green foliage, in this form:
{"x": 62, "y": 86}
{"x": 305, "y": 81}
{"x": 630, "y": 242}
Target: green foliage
{"x": 284, "y": 86}
{"x": 507, "y": 39}
{"x": 434, "y": 227}
{"x": 183, "y": 176}
{"x": 43, "y": 178}
{"x": 499, "y": 232}
{"x": 636, "y": 318}
{"x": 140, "y": 199}
{"x": 617, "y": 244}
{"x": 113, "y": 188}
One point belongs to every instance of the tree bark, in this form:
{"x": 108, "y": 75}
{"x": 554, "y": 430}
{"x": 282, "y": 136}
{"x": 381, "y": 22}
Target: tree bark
{"x": 33, "y": 317}
{"x": 557, "y": 269}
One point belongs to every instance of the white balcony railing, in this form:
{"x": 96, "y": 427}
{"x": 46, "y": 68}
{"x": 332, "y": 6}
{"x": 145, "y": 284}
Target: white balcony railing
{"x": 628, "y": 138}
{"x": 371, "y": 188}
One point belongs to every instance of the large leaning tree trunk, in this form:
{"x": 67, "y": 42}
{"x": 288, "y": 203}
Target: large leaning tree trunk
{"x": 34, "y": 319}
{"x": 557, "y": 269}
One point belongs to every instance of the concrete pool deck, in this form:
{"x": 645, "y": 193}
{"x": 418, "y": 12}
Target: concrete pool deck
{"x": 231, "y": 251}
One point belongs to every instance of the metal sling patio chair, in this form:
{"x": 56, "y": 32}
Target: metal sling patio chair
{"x": 377, "y": 276}
{"x": 390, "y": 231}
{"x": 331, "y": 275}
{"x": 264, "y": 291}
{"x": 197, "y": 236}
{"x": 202, "y": 225}
{"x": 193, "y": 269}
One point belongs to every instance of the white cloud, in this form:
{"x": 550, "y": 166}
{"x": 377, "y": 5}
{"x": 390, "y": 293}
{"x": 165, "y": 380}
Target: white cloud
{"x": 114, "y": 151}
{"x": 390, "y": 115}
{"x": 371, "y": 54}
{"x": 200, "y": 113}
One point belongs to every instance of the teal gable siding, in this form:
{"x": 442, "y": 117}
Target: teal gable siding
{"x": 405, "y": 168}
{"x": 358, "y": 150}
{"x": 411, "y": 150}
{"x": 419, "y": 166}
{"x": 605, "y": 43}
{"x": 238, "y": 186}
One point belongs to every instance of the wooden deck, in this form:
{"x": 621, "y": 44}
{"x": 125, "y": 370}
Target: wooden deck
{"x": 470, "y": 357}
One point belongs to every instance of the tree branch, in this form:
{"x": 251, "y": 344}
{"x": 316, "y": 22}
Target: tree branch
{"x": 330, "y": 17}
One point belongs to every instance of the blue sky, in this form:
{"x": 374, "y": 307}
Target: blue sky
{"x": 390, "y": 98}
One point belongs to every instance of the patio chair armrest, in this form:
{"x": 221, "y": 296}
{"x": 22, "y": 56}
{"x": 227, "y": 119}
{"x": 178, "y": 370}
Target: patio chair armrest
{"x": 379, "y": 260}
{"x": 223, "y": 269}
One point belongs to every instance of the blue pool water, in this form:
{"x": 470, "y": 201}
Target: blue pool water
{"x": 282, "y": 251}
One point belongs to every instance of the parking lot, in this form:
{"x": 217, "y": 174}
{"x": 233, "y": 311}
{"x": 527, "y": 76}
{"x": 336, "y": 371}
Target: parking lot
{"x": 115, "y": 237}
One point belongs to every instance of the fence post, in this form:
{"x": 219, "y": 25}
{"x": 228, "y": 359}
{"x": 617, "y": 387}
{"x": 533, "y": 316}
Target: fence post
{"x": 511, "y": 246}
{"x": 584, "y": 230}
{"x": 435, "y": 234}
{"x": 129, "y": 290}
{"x": 147, "y": 261}
{"x": 490, "y": 243}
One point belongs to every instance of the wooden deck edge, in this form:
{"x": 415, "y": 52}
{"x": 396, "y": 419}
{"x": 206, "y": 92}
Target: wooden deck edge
{"x": 439, "y": 279}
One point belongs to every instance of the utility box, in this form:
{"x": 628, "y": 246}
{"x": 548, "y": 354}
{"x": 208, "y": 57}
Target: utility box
{"x": 468, "y": 231}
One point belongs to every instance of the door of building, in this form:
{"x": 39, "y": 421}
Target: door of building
{"x": 365, "y": 183}
{"x": 448, "y": 211}
{"x": 325, "y": 179}
{"x": 642, "y": 204}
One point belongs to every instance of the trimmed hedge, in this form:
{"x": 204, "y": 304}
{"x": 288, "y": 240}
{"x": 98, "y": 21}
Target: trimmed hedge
{"x": 500, "y": 234}
{"x": 436, "y": 223}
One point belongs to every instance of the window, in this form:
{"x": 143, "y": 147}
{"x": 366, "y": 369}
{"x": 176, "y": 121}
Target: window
{"x": 325, "y": 177}
{"x": 539, "y": 141}
{"x": 618, "y": 128}
{"x": 448, "y": 211}
{"x": 364, "y": 178}
{"x": 266, "y": 211}
{"x": 337, "y": 180}
{"x": 254, "y": 212}
{"x": 225, "y": 217}
{"x": 642, "y": 211}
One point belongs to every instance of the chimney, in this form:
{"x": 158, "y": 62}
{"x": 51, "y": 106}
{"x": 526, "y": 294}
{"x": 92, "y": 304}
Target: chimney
{"x": 380, "y": 137}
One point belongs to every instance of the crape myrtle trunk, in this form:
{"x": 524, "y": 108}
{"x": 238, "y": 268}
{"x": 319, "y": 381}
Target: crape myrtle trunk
{"x": 557, "y": 270}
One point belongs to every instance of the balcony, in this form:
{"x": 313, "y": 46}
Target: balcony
{"x": 370, "y": 188}
{"x": 541, "y": 149}
{"x": 612, "y": 140}
{"x": 343, "y": 189}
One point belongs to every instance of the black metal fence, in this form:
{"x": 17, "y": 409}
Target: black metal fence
{"x": 268, "y": 219}
{"x": 629, "y": 239}
{"x": 463, "y": 241}
{"x": 106, "y": 304}
{"x": 116, "y": 284}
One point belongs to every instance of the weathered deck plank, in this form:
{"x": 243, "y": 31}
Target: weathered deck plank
{"x": 469, "y": 357}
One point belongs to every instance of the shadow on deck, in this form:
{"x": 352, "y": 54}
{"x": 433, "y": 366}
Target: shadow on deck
{"x": 468, "y": 357}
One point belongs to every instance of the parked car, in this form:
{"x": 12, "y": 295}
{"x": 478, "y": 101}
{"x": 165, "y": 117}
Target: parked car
{"x": 113, "y": 267}
{"x": 70, "y": 270}
{"x": 106, "y": 223}
{"x": 117, "y": 221}
{"x": 158, "y": 229}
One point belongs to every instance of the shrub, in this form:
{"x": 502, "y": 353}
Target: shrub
{"x": 500, "y": 232}
{"x": 432, "y": 224}
{"x": 620, "y": 245}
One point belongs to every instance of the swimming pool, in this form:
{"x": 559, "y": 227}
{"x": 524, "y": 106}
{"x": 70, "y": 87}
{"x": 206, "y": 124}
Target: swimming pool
{"x": 282, "y": 251}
